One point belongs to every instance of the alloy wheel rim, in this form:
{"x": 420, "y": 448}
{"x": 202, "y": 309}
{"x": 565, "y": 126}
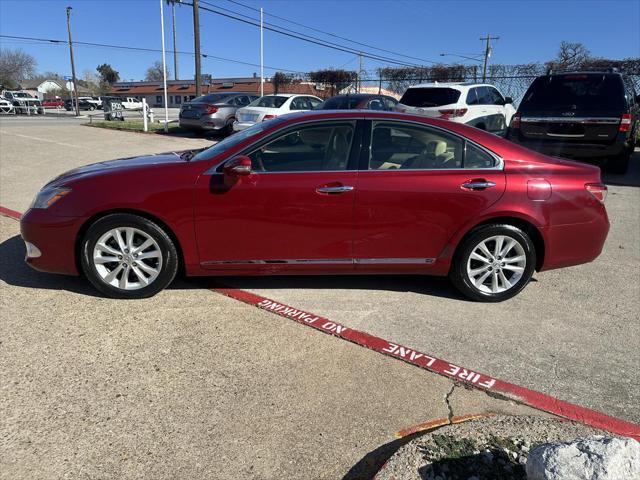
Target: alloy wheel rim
{"x": 496, "y": 264}
{"x": 127, "y": 258}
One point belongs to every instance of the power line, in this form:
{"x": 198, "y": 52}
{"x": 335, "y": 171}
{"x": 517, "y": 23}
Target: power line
{"x": 355, "y": 42}
{"x": 142, "y": 49}
{"x": 307, "y": 38}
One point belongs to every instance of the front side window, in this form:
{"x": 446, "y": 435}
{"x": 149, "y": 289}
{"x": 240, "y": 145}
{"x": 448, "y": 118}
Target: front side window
{"x": 310, "y": 149}
{"x": 300, "y": 103}
{"x": 496, "y": 98}
{"x": 484, "y": 96}
{"x": 402, "y": 146}
{"x": 376, "y": 104}
{"x": 315, "y": 102}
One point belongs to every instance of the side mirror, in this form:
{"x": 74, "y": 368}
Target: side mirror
{"x": 508, "y": 100}
{"x": 239, "y": 166}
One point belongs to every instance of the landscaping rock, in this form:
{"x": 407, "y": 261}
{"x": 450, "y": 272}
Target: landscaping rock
{"x": 595, "y": 458}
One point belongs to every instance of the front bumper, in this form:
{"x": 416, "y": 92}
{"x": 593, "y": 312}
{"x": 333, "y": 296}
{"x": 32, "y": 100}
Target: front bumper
{"x": 54, "y": 238}
{"x": 239, "y": 126}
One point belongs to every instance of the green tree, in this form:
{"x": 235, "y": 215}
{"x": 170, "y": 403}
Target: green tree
{"x": 108, "y": 76}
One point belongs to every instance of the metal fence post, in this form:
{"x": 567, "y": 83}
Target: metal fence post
{"x": 144, "y": 114}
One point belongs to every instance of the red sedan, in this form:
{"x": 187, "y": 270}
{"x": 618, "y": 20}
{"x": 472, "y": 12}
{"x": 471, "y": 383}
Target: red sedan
{"x": 53, "y": 103}
{"x": 354, "y": 192}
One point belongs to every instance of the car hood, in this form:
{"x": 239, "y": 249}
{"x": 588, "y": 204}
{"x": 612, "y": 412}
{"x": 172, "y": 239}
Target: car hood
{"x": 121, "y": 164}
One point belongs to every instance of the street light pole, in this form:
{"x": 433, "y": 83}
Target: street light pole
{"x": 175, "y": 54}
{"x": 73, "y": 66}
{"x": 261, "y": 52}
{"x": 196, "y": 39}
{"x": 164, "y": 72}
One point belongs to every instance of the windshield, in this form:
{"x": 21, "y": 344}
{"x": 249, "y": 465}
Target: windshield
{"x": 20, "y": 95}
{"x": 210, "y": 98}
{"x": 575, "y": 92}
{"x": 341, "y": 103}
{"x": 271, "y": 101}
{"x": 231, "y": 141}
{"x": 429, "y": 97}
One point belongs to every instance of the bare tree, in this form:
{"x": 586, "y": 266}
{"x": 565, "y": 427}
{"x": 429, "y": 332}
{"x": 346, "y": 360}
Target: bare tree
{"x": 337, "y": 79}
{"x": 280, "y": 80}
{"x": 570, "y": 55}
{"x": 154, "y": 72}
{"x": 15, "y": 66}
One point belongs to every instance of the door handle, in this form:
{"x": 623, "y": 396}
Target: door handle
{"x": 334, "y": 190}
{"x": 479, "y": 184}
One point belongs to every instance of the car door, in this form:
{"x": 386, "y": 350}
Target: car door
{"x": 417, "y": 186}
{"x": 295, "y": 209}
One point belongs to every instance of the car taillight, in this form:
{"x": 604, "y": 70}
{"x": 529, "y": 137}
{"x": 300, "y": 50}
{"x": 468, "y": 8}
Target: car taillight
{"x": 515, "y": 120}
{"x": 598, "y": 190}
{"x": 625, "y": 123}
{"x": 268, "y": 117}
{"x": 211, "y": 109}
{"x": 454, "y": 112}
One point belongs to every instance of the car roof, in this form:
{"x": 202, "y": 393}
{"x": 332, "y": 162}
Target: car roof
{"x": 358, "y": 95}
{"x": 458, "y": 85}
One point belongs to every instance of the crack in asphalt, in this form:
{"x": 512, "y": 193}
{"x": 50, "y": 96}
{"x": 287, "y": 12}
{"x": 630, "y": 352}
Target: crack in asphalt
{"x": 447, "y": 401}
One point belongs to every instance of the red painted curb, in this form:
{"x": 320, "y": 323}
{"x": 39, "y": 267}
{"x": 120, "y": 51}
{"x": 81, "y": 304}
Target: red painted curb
{"x": 482, "y": 381}
{"x": 7, "y": 212}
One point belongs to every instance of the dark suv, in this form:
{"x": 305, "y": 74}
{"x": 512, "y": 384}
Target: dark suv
{"x": 592, "y": 116}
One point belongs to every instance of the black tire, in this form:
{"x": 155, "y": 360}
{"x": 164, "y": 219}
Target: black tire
{"x": 458, "y": 273}
{"x": 168, "y": 249}
{"x": 619, "y": 164}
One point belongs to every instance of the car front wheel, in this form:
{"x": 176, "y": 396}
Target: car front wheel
{"x": 493, "y": 263}
{"x": 128, "y": 256}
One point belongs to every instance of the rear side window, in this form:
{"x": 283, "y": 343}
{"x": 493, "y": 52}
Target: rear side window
{"x": 575, "y": 92}
{"x": 429, "y": 97}
{"x": 472, "y": 97}
{"x": 475, "y": 157}
{"x": 272, "y": 101}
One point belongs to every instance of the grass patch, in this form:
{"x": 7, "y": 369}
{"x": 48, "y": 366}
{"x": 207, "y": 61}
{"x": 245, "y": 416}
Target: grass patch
{"x": 137, "y": 126}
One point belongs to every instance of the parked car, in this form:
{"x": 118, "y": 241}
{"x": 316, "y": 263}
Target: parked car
{"x": 272, "y": 106}
{"x": 94, "y": 100}
{"x": 131, "y": 103}
{"x": 214, "y": 111}
{"x": 53, "y": 103}
{"x": 83, "y": 104}
{"x": 6, "y": 106}
{"x": 357, "y": 101}
{"x": 594, "y": 116}
{"x": 324, "y": 192}
{"x": 477, "y": 104}
{"x": 23, "y": 102}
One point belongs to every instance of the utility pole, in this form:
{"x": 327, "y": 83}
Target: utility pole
{"x": 73, "y": 66}
{"x": 487, "y": 54}
{"x": 261, "y": 52}
{"x": 164, "y": 72}
{"x": 360, "y": 75}
{"x": 196, "y": 38}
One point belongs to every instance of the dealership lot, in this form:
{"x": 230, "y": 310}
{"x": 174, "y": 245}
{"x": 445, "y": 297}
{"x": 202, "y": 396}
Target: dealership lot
{"x": 191, "y": 372}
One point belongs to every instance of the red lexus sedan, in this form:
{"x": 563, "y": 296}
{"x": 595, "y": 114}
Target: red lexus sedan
{"x": 324, "y": 192}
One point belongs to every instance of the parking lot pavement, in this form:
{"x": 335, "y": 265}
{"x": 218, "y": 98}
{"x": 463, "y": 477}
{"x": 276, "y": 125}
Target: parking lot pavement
{"x": 34, "y": 150}
{"x": 572, "y": 333}
{"x": 191, "y": 384}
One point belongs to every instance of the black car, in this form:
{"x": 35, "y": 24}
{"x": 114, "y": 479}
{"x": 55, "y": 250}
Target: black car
{"x": 357, "y": 101}
{"x": 82, "y": 104}
{"x": 591, "y": 116}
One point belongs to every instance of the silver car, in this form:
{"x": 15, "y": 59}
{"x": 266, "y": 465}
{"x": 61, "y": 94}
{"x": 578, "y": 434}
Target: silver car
{"x": 214, "y": 111}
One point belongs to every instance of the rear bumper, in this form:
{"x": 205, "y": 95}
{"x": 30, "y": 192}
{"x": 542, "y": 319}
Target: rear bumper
{"x": 203, "y": 123}
{"x": 574, "y": 244}
{"x": 54, "y": 237}
{"x": 573, "y": 150}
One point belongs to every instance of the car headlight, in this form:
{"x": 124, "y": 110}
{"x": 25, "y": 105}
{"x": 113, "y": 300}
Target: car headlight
{"x": 48, "y": 196}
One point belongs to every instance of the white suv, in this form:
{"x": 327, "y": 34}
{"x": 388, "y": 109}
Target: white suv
{"x": 477, "y": 104}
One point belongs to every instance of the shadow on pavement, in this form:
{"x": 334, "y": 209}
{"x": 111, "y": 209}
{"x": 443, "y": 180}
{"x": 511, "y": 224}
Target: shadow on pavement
{"x": 14, "y": 271}
{"x": 632, "y": 177}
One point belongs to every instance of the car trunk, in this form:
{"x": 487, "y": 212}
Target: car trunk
{"x": 573, "y": 108}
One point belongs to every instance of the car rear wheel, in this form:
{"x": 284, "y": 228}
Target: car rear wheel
{"x": 493, "y": 263}
{"x": 128, "y": 256}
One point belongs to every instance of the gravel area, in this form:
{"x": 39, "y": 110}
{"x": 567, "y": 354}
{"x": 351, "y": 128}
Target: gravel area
{"x": 486, "y": 449}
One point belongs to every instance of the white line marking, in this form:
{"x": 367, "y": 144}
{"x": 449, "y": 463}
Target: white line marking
{"x": 40, "y": 139}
